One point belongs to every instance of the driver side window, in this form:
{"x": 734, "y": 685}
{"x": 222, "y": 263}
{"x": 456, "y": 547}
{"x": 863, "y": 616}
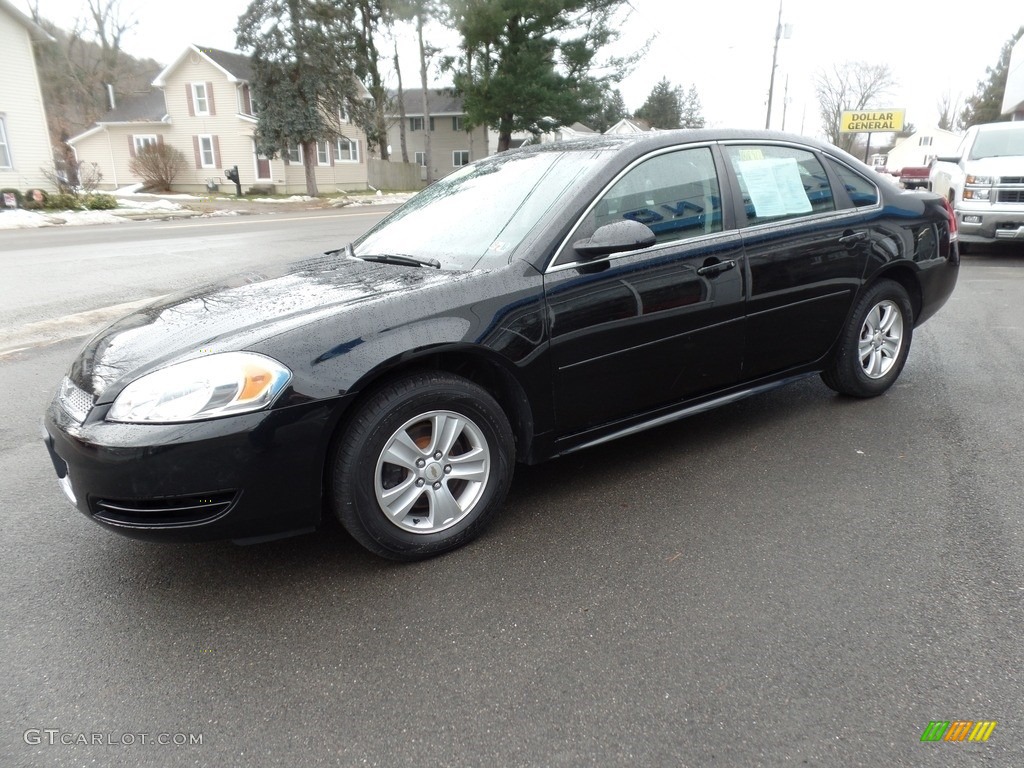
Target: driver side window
{"x": 676, "y": 194}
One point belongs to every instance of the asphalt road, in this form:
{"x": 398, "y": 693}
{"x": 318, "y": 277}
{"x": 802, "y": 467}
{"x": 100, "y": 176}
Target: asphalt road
{"x": 794, "y": 579}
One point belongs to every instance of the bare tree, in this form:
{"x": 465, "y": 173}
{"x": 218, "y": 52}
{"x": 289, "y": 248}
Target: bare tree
{"x": 109, "y": 25}
{"x": 849, "y": 85}
{"x": 948, "y": 108}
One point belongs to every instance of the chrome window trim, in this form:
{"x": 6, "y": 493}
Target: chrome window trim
{"x": 813, "y": 151}
{"x": 837, "y": 214}
{"x": 552, "y": 267}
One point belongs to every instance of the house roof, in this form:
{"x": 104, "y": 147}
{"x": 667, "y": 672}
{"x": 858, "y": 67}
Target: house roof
{"x": 142, "y": 108}
{"x": 37, "y": 33}
{"x": 581, "y": 128}
{"x": 631, "y": 125}
{"x": 235, "y": 66}
{"x": 138, "y": 108}
{"x": 440, "y": 102}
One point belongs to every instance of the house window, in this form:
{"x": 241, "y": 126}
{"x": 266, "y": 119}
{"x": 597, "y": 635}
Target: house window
{"x": 207, "y": 157}
{"x": 293, "y": 154}
{"x": 460, "y": 157}
{"x": 416, "y": 123}
{"x": 347, "y": 150}
{"x": 780, "y": 183}
{"x": 200, "y": 99}
{"x": 421, "y": 159}
{"x": 323, "y": 153}
{"x": 5, "y": 148}
{"x": 457, "y": 123}
{"x": 924, "y": 141}
{"x": 142, "y": 141}
{"x": 245, "y": 100}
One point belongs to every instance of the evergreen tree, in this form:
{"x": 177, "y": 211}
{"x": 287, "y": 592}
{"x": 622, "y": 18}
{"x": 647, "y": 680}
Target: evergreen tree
{"x": 304, "y": 58}
{"x": 612, "y": 108}
{"x": 528, "y": 64}
{"x": 985, "y": 105}
{"x": 691, "y": 110}
{"x": 371, "y": 115}
{"x": 663, "y": 108}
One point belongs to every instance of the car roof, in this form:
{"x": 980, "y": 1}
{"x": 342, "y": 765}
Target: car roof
{"x": 658, "y": 139}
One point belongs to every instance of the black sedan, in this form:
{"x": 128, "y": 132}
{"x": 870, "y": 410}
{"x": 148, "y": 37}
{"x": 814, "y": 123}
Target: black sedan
{"x": 529, "y": 305}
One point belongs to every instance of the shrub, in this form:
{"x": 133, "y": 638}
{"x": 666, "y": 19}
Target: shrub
{"x": 97, "y": 201}
{"x": 63, "y": 201}
{"x": 34, "y": 199}
{"x": 158, "y": 165}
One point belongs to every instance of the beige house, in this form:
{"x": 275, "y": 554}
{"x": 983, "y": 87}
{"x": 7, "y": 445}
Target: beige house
{"x": 203, "y": 106}
{"x": 25, "y": 152}
{"x": 451, "y": 145}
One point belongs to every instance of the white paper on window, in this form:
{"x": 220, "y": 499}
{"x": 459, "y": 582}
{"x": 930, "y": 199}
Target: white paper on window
{"x": 774, "y": 186}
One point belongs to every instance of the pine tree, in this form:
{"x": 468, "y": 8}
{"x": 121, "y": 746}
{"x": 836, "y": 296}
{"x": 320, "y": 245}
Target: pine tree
{"x": 304, "y": 55}
{"x": 986, "y": 104}
{"x": 663, "y": 108}
{"x": 528, "y": 64}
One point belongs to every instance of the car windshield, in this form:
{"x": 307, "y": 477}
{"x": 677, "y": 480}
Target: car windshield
{"x": 998, "y": 143}
{"x": 476, "y": 217}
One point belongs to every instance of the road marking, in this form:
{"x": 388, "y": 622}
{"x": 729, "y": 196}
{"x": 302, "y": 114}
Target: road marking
{"x": 74, "y": 326}
{"x": 250, "y": 220}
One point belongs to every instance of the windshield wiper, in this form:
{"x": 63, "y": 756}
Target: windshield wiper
{"x": 402, "y": 259}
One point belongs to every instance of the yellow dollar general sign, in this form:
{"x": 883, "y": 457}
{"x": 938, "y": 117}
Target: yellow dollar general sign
{"x": 861, "y": 121}
{"x": 958, "y": 730}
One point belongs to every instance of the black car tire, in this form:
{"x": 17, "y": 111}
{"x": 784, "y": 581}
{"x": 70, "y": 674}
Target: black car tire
{"x": 866, "y": 363}
{"x": 452, "y": 454}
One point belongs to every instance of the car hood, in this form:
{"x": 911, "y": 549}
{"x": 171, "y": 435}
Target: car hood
{"x": 237, "y": 312}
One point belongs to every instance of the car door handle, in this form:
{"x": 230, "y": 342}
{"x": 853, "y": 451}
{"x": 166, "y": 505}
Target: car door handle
{"x": 715, "y": 268}
{"x": 852, "y": 238}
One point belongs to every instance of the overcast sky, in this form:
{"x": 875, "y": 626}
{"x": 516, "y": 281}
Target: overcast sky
{"x": 724, "y": 47}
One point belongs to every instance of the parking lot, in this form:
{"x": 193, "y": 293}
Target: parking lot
{"x": 798, "y": 578}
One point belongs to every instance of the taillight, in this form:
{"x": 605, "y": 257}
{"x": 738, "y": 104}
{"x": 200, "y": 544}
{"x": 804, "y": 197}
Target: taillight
{"x": 954, "y": 234}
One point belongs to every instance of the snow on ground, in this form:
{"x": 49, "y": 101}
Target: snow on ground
{"x": 21, "y": 219}
{"x": 292, "y": 199}
{"x": 133, "y": 190}
{"x": 148, "y": 205}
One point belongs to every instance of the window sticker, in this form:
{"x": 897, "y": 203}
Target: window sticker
{"x": 774, "y": 186}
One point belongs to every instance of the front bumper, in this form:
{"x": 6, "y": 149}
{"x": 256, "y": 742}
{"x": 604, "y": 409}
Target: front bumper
{"x": 984, "y": 223}
{"x": 248, "y": 477}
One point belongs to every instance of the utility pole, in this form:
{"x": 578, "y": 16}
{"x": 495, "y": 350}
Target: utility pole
{"x": 775, "y": 57}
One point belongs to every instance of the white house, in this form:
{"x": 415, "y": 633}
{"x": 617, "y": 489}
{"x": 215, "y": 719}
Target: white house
{"x": 921, "y": 147}
{"x": 25, "y": 152}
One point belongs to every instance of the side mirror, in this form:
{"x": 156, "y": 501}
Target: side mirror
{"x": 626, "y": 235}
{"x": 954, "y": 159}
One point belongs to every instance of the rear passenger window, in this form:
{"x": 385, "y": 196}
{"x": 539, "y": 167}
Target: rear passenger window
{"x": 676, "y": 194}
{"x": 779, "y": 183}
{"x": 861, "y": 191}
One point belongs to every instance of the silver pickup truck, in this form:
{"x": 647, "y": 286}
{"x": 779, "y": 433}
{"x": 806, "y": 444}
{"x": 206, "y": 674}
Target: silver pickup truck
{"x": 985, "y": 183}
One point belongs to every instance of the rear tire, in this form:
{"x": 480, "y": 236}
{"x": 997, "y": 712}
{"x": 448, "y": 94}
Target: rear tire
{"x": 874, "y": 346}
{"x": 423, "y": 466}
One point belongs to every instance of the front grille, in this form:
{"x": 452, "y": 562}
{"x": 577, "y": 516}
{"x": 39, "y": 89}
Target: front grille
{"x": 1010, "y": 196}
{"x": 171, "y": 512}
{"x": 1011, "y": 180}
{"x": 76, "y": 402}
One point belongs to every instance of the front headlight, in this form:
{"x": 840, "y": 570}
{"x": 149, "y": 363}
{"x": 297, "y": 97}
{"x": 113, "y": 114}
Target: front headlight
{"x": 217, "y": 385}
{"x": 981, "y": 181}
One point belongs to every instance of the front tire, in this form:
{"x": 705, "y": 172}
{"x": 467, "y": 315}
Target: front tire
{"x": 875, "y": 344}
{"x": 423, "y": 466}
